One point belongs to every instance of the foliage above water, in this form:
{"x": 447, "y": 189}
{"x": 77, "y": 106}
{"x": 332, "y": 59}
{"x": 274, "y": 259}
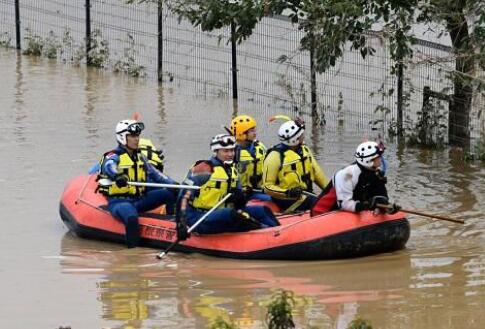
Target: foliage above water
{"x": 360, "y": 324}
{"x": 99, "y": 51}
{"x": 430, "y": 130}
{"x": 37, "y": 46}
{"x": 330, "y": 27}
{"x": 127, "y": 64}
{"x": 280, "y": 315}
{"x": 280, "y": 310}
{"x": 34, "y": 44}
{"x": 5, "y": 40}
{"x": 220, "y": 323}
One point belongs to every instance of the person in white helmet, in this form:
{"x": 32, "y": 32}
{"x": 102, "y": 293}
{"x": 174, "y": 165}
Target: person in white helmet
{"x": 126, "y": 163}
{"x": 217, "y": 177}
{"x": 289, "y": 169}
{"x": 359, "y": 186}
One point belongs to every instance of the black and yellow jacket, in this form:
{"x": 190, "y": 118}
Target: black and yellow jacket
{"x": 215, "y": 179}
{"x": 250, "y": 164}
{"x": 285, "y": 168}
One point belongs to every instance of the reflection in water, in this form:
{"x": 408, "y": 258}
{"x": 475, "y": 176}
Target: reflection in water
{"x": 20, "y": 115}
{"x": 198, "y": 288}
{"x": 93, "y": 89}
{"x": 132, "y": 296}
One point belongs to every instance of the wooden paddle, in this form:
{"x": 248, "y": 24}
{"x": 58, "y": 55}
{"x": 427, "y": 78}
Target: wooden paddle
{"x": 415, "y": 212}
{"x": 200, "y": 220}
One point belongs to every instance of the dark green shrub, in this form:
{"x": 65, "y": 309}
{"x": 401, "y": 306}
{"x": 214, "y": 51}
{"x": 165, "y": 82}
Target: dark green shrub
{"x": 280, "y": 311}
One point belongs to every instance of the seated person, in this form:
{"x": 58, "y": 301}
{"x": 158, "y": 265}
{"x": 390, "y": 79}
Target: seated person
{"x": 125, "y": 164}
{"x": 359, "y": 186}
{"x": 217, "y": 177}
{"x": 289, "y": 169}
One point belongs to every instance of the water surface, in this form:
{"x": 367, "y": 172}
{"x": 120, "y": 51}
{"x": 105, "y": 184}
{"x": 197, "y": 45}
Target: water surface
{"x": 57, "y": 120}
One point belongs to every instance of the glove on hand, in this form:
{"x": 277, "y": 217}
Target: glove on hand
{"x": 294, "y": 192}
{"x": 359, "y": 206}
{"x": 245, "y": 217}
{"x": 379, "y": 199}
{"x": 181, "y": 227}
{"x": 393, "y": 209}
{"x": 121, "y": 180}
{"x": 248, "y": 190}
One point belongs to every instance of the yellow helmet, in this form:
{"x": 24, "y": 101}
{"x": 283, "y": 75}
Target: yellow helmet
{"x": 240, "y": 125}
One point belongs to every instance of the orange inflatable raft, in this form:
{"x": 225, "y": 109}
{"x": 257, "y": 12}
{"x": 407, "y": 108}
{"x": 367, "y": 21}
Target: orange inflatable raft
{"x": 332, "y": 235}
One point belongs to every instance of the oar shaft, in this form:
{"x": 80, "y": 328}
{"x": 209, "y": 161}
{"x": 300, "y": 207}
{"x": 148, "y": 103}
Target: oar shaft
{"x": 201, "y": 219}
{"x": 107, "y": 182}
{"x": 303, "y": 192}
{"x": 309, "y": 193}
{"x": 193, "y": 227}
{"x": 433, "y": 216}
{"x": 419, "y": 213}
{"x": 147, "y": 184}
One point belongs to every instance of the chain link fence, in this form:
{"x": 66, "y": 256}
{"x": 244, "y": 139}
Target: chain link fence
{"x": 273, "y": 75}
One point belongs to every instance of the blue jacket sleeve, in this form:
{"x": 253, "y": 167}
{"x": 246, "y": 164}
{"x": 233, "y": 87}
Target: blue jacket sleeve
{"x": 110, "y": 165}
{"x": 94, "y": 169}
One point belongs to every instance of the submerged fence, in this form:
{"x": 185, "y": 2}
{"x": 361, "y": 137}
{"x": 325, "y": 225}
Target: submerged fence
{"x": 148, "y": 40}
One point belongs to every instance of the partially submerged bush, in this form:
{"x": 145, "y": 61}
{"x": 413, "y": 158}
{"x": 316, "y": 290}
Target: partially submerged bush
{"x": 280, "y": 311}
{"x": 5, "y": 40}
{"x": 51, "y": 45}
{"x": 359, "y": 323}
{"x": 99, "y": 51}
{"x": 127, "y": 63}
{"x": 34, "y": 44}
{"x": 38, "y": 46}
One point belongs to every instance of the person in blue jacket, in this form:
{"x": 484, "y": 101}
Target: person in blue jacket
{"x": 126, "y": 164}
{"x": 217, "y": 177}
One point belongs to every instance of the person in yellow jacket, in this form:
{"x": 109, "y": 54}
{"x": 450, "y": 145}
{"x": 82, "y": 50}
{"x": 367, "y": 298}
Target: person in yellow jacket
{"x": 249, "y": 156}
{"x": 155, "y": 156}
{"x": 217, "y": 177}
{"x": 290, "y": 168}
{"x": 124, "y": 164}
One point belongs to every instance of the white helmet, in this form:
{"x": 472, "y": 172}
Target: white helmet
{"x": 125, "y": 127}
{"x": 223, "y": 141}
{"x": 366, "y": 152}
{"x": 290, "y": 131}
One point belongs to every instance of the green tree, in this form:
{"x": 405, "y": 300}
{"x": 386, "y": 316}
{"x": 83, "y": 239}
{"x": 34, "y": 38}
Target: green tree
{"x": 330, "y": 25}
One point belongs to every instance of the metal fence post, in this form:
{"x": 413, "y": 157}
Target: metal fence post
{"x": 234, "y": 64}
{"x": 160, "y": 42}
{"x": 17, "y": 24}
{"x": 400, "y": 100}
{"x": 88, "y": 31}
{"x": 313, "y": 79}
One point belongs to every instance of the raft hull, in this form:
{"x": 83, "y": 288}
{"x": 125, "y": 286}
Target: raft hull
{"x": 335, "y": 235}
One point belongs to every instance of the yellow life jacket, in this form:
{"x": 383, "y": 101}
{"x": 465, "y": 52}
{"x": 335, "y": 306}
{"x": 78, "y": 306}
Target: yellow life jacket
{"x": 154, "y": 156}
{"x": 296, "y": 170}
{"x": 251, "y": 168}
{"x": 216, "y": 187}
{"x": 134, "y": 171}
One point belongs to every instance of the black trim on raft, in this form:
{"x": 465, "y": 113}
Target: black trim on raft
{"x": 368, "y": 240}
